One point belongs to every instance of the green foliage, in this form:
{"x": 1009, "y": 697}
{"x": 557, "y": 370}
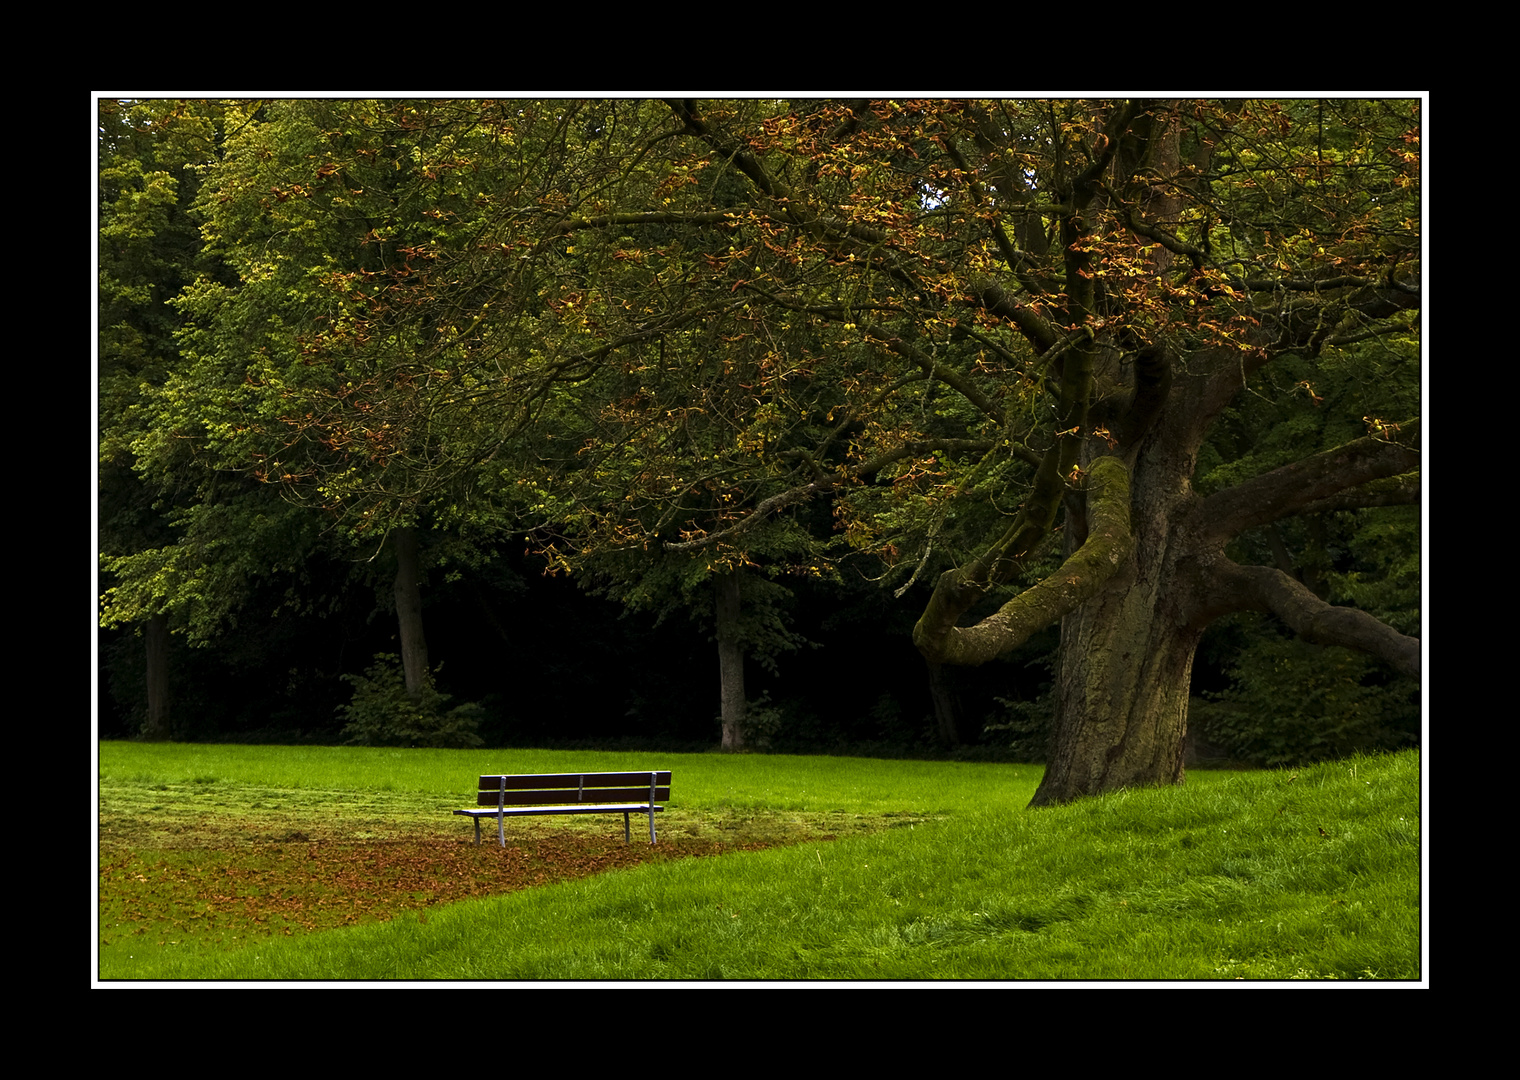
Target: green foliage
{"x": 1380, "y": 571}
{"x": 1292, "y": 703}
{"x": 222, "y": 547}
{"x": 661, "y": 342}
{"x": 382, "y": 714}
{"x": 176, "y": 538}
{"x": 763, "y": 722}
{"x": 352, "y": 362}
{"x": 1024, "y": 726}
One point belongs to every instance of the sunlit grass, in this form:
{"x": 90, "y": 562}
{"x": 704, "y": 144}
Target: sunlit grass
{"x": 772, "y": 782}
{"x": 1272, "y": 875}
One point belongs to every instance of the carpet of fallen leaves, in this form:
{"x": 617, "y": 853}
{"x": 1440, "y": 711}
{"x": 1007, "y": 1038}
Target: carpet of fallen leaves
{"x": 224, "y": 895}
{"x": 210, "y": 864}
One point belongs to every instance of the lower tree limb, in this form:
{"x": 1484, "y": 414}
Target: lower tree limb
{"x": 1265, "y": 589}
{"x": 1081, "y": 576}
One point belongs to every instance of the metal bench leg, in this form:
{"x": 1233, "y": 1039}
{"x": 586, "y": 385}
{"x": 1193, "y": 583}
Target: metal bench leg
{"x": 651, "y": 826}
{"x": 476, "y": 820}
{"x": 625, "y": 827}
{"x": 501, "y": 832}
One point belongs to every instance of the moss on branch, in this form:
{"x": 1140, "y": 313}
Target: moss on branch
{"x": 1108, "y": 545}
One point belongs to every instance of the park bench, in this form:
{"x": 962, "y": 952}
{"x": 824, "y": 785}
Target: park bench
{"x": 623, "y": 793}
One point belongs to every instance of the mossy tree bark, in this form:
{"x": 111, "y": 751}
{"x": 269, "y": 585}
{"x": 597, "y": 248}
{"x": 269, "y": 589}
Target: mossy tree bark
{"x": 1147, "y": 572}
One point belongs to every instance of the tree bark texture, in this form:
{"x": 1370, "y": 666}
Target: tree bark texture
{"x": 1127, "y": 652}
{"x": 1121, "y": 697}
{"x": 408, "y": 592}
{"x": 730, "y": 661}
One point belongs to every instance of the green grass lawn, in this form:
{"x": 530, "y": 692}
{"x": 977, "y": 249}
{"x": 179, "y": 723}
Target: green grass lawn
{"x": 239, "y": 862}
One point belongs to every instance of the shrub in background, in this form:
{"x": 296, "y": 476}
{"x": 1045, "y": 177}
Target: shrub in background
{"x": 1023, "y": 727}
{"x": 1293, "y": 703}
{"x": 381, "y": 713}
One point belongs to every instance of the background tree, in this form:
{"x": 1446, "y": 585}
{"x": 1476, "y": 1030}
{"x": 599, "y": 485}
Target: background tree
{"x": 186, "y": 542}
{"x": 155, "y": 525}
{"x": 298, "y": 372}
{"x": 339, "y": 368}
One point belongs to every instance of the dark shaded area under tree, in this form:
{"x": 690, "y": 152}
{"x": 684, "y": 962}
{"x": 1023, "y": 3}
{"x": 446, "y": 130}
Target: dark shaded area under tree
{"x": 586, "y": 671}
{"x": 590, "y": 672}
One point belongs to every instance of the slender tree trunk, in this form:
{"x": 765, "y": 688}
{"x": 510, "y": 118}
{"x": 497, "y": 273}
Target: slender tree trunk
{"x": 946, "y": 714}
{"x": 730, "y": 661}
{"x": 156, "y": 640}
{"x": 414, "y": 654}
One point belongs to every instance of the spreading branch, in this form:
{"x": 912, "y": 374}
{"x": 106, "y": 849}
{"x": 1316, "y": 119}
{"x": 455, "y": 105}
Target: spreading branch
{"x": 1395, "y": 491}
{"x": 803, "y": 492}
{"x": 1266, "y": 589}
{"x": 1296, "y": 487}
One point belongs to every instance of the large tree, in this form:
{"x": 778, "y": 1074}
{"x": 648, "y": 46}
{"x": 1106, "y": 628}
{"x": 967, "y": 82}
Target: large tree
{"x": 1042, "y": 307}
{"x": 1026, "y": 316}
{"x": 991, "y": 337}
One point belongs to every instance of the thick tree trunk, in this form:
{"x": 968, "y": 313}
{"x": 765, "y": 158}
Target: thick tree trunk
{"x": 1127, "y": 652}
{"x": 408, "y": 590}
{"x": 1121, "y": 696}
{"x": 730, "y": 661}
{"x": 156, "y": 640}
{"x": 1126, "y": 660}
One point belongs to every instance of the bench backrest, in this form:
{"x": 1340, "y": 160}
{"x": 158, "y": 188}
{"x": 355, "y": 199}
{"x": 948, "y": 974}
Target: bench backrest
{"x": 549, "y": 789}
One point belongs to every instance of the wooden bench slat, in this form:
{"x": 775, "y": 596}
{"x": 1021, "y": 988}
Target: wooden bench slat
{"x": 568, "y": 795}
{"x": 597, "y": 808}
{"x": 569, "y": 780}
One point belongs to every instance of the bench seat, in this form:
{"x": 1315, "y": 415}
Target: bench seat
{"x": 503, "y": 796}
